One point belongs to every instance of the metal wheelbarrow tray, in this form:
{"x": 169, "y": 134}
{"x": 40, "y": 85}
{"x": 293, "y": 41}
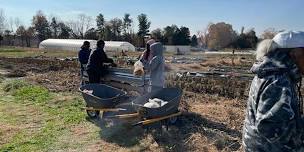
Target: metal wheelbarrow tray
{"x": 168, "y": 111}
{"x": 103, "y": 98}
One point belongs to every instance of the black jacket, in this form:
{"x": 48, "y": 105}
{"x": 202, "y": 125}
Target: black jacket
{"x": 97, "y": 59}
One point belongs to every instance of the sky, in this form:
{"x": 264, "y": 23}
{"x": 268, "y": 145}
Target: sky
{"x": 194, "y": 14}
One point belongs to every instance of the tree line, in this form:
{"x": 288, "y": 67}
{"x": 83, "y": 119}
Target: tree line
{"x": 86, "y": 27}
{"x": 218, "y": 35}
{"x": 222, "y": 35}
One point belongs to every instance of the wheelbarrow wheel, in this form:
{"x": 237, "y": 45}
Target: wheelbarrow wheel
{"x": 93, "y": 113}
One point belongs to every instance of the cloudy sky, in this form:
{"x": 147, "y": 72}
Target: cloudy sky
{"x": 195, "y": 14}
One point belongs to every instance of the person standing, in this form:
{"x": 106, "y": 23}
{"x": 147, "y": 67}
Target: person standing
{"x": 147, "y": 56}
{"x": 83, "y": 57}
{"x": 95, "y": 67}
{"x": 274, "y": 121}
{"x": 156, "y": 66}
{"x": 84, "y": 53}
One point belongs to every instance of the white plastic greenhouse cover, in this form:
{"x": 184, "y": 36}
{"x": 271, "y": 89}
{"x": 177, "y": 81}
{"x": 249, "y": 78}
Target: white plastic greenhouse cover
{"x": 75, "y": 44}
{"x": 64, "y": 44}
{"x": 119, "y": 46}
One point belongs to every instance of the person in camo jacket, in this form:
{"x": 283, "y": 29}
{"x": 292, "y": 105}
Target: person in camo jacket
{"x": 274, "y": 121}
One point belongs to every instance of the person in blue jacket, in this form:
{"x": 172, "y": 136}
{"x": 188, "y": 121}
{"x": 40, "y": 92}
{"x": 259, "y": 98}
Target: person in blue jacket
{"x": 84, "y": 53}
{"x": 274, "y": 115}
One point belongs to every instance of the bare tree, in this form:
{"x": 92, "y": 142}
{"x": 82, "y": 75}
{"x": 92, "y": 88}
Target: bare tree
{"x": 17, "y": 22}
{"x": 11, "y": 24}
{"x": 269, "y": 33}
{"x": 29, "y": 35}
{"x": 116, "y": 25}
{"x": 202, "y": 36}
{"x": 220, "y": 35}
{"x": 2, "y": 25}
{"x": 85, "y": 23}
{"x": 41, "y": 26}
{"x": 2, "y": 21}
{"x": 21, "y": 33}
{"x": 80, "y": 26}
{"x": 74, "y": 30}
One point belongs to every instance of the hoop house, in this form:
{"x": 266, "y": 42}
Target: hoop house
{"x": 75, "y": 45}
{"x": 119, "y": 46}
{"x": 64, "y": 44}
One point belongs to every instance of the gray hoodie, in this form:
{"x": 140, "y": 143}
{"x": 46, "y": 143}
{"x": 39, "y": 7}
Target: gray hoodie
{"x": 156, "y": 66}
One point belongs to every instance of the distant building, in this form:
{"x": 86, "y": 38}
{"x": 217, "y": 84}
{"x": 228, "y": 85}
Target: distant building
{"x": 75, "y": 44}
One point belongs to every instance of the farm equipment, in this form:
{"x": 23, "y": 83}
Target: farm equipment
{"x": 121, "y": 78}
{"x": 103, "y": 98}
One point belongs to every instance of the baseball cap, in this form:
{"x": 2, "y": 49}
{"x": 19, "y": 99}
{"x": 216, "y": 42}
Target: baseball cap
{"x": 290, "y": 39}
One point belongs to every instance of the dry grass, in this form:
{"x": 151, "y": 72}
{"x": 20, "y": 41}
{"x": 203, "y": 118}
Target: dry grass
{"x": 7, "y": 132}
{"x": 211, "y": 122}
{"x": 212, "y": 85}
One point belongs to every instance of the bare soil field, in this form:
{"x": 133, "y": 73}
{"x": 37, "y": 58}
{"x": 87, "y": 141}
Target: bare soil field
{"x": 213, "y": 108}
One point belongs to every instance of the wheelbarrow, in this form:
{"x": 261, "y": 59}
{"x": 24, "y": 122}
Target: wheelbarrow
{"x": 101, "y": 98}
{"x": 168, "y": 112}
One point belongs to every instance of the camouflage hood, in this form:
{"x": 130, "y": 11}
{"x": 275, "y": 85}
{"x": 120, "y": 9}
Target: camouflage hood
{"x": 277, "y": 63}
{"x": 273, "y": 116}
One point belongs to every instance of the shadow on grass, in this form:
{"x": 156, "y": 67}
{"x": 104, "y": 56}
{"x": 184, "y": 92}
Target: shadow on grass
{"x": 173, "y": 139}
{"x": 119, "y": 132}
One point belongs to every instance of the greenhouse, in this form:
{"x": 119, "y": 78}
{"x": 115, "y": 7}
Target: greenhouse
{"x": 75, "y": 45}
{"x": 119, "y": 46}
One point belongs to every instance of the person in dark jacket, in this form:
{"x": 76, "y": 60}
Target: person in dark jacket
{"x": 274, "y": 115}
{"x": 84, "y": 53}
{"x": 95, "y": 67}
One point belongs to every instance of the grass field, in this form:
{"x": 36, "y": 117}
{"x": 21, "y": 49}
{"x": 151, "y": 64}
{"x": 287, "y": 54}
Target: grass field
{"x": 33, "y": 52}
{"x": 41, "y": 111}
{"x": 34, "y": 119}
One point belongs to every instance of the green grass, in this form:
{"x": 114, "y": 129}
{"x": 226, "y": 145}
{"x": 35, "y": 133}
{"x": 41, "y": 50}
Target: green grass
{"x": 1, "y": 78}
{"x": 13, "y": 85}
{"x": 23, "y": 105}
{"x": 34, "y": 94}
{"x": 36, "y": 142}
{"x": 32, "y": 52}
{"x": 8, "y": 50}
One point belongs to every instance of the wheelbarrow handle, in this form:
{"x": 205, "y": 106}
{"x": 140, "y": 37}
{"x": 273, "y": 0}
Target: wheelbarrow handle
{"x": 104, "y": 109}
{"x": 125, "y": 116}
{"x": 149, "y": 121}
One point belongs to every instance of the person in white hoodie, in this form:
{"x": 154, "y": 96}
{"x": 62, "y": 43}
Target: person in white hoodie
{"x": 156, "y": 66}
